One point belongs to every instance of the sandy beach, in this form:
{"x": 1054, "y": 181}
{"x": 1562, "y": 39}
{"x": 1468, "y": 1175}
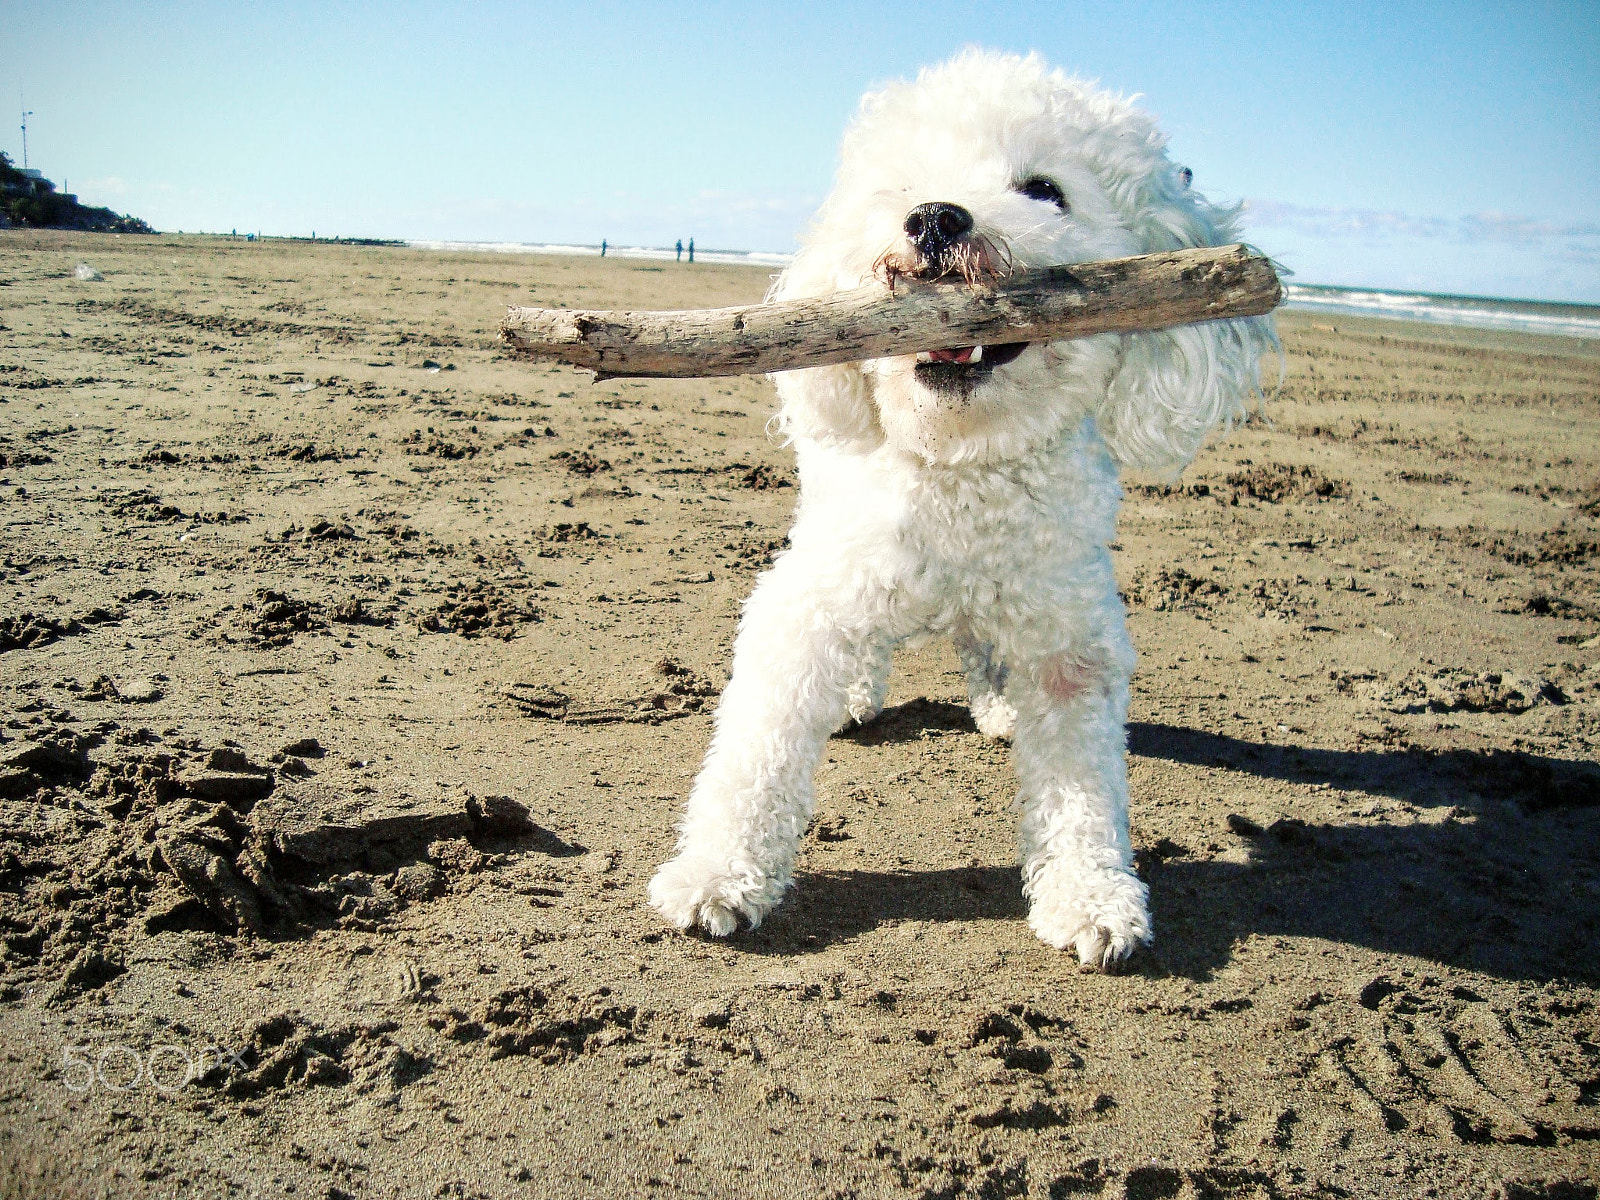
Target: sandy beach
{"x": 354, "y": 673}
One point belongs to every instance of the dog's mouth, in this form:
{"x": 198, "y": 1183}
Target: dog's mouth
{"x": 962, "y": 368}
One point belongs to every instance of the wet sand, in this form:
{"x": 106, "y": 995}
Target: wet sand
{"x": 354, "y": 674}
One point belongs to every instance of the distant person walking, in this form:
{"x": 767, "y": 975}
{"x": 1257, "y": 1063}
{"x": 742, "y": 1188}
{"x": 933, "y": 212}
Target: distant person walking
{"x": 602, "y": 247}
{"x": 680, "y": 249}
{"x": 691, "y": 249}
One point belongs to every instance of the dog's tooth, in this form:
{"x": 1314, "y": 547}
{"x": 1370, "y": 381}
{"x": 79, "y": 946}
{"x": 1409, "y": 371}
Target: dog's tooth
{"x": 925, "y": 356}
{"x": 977, "y": 354}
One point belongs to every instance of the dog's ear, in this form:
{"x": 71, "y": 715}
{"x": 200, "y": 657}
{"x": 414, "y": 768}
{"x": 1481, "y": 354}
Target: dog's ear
{"x": 825, "y": 404}
{"x": 1176, "y": 386}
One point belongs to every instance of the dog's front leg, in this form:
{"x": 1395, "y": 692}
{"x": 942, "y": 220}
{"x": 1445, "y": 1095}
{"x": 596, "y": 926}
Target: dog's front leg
{"x": 1070, "y": 744}
{"x": 801, "y": 649}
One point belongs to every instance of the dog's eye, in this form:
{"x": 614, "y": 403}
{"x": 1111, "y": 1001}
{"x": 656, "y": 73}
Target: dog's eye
{"x": 1040, "y": 188}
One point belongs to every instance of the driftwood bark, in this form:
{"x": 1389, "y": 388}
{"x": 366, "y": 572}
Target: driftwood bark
{"x": 1151, "y": 291}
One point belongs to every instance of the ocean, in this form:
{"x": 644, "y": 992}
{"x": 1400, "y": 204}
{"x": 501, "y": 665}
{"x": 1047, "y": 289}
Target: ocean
{"x": 1475, "y": 312}
{"x": 757, "y": 258}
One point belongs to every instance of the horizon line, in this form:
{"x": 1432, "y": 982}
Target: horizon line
{"x": 725, "y": 256}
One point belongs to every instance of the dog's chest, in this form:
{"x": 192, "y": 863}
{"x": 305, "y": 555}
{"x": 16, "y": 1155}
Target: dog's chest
{"x": 987, "y": 520}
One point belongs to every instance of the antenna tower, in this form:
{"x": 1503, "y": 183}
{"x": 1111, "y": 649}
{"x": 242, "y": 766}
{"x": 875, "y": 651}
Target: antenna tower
{"x": 26, "y": 113}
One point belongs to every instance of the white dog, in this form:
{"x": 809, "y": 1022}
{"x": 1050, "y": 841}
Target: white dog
{"x": 970, "y": 491}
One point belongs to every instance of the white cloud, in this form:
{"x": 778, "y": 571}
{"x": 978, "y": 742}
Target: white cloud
{"x": 1484, "y": 253}
{"x": 1366, "y": 222}
{"x": 715, "y": 219}
{"x": 111, "y": 185}
{"x": 1507, "y": 227}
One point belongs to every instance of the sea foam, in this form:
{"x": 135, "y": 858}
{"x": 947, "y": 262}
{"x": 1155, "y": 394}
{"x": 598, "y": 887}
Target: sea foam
{"x": 1474, "y": 312}
{"x": 759, "y": 258}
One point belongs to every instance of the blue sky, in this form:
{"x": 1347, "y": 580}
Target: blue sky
{"x": 1453, "y": 147}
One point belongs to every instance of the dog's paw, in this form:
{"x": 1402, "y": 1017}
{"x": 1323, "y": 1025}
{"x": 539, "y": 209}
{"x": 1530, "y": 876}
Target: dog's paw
{"x": 864, "y": 702}
{"x": 994, "y": 716}
{"x": 1101, "y": 913}
{"x": 861, "y": 712}
{"x": 690, "y": 891}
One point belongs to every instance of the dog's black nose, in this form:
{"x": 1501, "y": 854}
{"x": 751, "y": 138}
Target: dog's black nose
{"x": 937, "y": 226}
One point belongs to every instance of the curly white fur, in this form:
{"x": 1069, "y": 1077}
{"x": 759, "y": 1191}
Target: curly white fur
{"x": 983, "y": 515}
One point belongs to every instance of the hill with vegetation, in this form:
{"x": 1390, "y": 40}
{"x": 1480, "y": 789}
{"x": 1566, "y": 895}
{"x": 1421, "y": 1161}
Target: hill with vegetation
{"x": 28, "y": 199}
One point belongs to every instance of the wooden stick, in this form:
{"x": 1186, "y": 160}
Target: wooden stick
{"x": 1151, "y": 291}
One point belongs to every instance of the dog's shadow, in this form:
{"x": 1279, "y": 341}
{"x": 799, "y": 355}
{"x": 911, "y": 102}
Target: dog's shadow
{"x": 910, "y": 722}
{"x": 1508, "y": 886}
